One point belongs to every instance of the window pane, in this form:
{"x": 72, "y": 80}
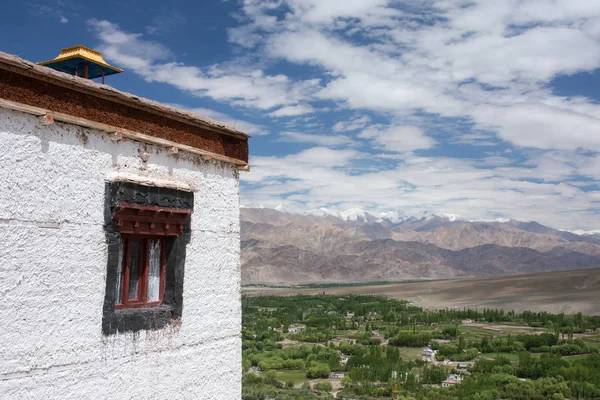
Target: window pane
{"x": 119, "y": 285}
{"x": 134, "y": 269}
{"x": 154, "y": 271}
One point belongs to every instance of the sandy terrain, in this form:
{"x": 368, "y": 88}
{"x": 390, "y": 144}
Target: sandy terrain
{"x": 561, "y": 291}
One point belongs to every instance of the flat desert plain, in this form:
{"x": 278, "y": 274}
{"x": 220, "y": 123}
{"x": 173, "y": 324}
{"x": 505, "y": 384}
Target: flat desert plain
{"x": 561, "y": 291}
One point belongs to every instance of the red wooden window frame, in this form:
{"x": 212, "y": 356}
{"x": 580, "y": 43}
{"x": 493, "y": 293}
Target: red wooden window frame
{"x": 141, "y": 299}
{"x": 143, "y": 223}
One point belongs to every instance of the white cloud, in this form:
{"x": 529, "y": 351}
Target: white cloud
{"x": 126, "y": 49}
{"x": 469, "y": 188}
{"x": 328, "y": 11}
{"x": 398, "y": 138}
{"x": 353, "y": 124}
{"x": 293, "y": 111}
{"x": 517, "y": 46}
{"x": 544, "y": 126}
{"x": 474, "y": 139}
{"x": 63, "y": 20}
{"x": 245, "y": 87}
{"x": 243, "y": 36}
{"x": 318, "y": 139}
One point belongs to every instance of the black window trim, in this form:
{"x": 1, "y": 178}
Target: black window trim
{"x": 144, "y": 318}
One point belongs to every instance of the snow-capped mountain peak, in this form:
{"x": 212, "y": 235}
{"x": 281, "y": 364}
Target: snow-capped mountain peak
{"x": 423, "y": 214}
{"x": 581, "y": 232}
{"x": 281, "y": 208}
{"x": 450, "y": 217}
{"x": 356, "y": 214}
{"x": 323, "y": 212}
{"x": 395, "y": 217}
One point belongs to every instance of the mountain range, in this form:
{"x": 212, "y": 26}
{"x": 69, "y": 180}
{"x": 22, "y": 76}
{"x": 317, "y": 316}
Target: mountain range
{"x": 356, "y": 246}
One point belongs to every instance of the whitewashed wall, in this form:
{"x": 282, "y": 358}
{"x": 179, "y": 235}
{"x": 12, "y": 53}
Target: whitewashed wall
{"x": 53, "y": 271}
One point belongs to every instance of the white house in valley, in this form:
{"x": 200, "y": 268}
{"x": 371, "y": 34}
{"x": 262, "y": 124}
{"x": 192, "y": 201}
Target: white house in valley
{"x": 428, "y": 354}
{"x": 120, "y": 225}
{"x": 452, "y": 380}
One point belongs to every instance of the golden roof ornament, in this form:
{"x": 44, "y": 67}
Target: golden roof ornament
{"x": 83, "y": 62}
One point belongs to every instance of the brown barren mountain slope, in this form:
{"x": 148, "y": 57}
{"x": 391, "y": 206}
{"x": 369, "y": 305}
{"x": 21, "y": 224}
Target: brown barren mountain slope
{"x": 465, "y": 235}
{"x": 282, "y": 248}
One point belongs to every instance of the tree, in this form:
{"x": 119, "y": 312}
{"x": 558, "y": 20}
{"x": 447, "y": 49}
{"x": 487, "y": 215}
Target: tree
{"x": 411, "y": 381}
{"x": 461, "y": 343}
{"x": 433, "y": 375}
{"x": 324, "y": 387}
{"x": 318, "y": 371}
{"x": 485, "y": 343}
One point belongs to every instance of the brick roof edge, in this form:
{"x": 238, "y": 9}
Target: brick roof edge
{"x": 17, "y": 64}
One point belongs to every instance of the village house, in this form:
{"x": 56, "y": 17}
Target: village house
{"x": 428, "y": 354}
{"x": 120, "y": 225}
{"x": 452, "y": 380}
{"x": 296, "y": 328}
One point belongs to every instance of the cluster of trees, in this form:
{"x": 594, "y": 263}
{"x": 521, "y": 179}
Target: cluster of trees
{"x": 535, "y": 343}
{"x": 323, "y": 387}
{"x": 410, "y": 339}
{"x": 504, "y": 386}
{"x": 313, "y": 358}
{"x": 578, "y": 323}
{"x": 546, "y": 377}
{"x": 455, "y": 353}
{"x": 318, "y": 370}
{"x": 376, "y": 363}
{"x": 266, "y": 386}
{"x": 312, "y": 335}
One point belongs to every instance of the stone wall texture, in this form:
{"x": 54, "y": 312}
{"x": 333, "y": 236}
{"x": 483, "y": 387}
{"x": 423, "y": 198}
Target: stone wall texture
{"x": 53, "y": 272}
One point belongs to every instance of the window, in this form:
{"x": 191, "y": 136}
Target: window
{"x": 147, "y": 231}
{"x": 142, "y": 263}
{"x": 141, "y": 272}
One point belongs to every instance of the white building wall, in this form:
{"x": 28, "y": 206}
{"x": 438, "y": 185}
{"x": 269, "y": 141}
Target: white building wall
{"x": 53, "y": 264}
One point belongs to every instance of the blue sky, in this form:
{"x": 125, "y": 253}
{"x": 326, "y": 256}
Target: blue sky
{"x": 477, "y": 108}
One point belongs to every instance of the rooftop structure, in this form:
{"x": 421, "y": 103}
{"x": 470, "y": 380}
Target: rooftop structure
{"x": 83, "y": 62}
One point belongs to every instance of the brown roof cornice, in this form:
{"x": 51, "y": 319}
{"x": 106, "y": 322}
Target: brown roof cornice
{"x": 13, "y": 63}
